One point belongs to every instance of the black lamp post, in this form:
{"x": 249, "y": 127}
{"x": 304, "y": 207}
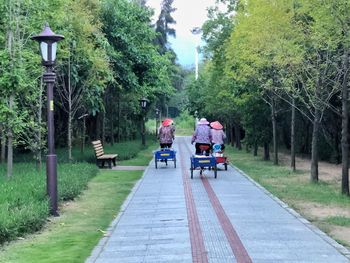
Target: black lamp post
{"x": 48, "y": 47}
{"x": 157, "y": 119}
{"x": 143, "y": 104}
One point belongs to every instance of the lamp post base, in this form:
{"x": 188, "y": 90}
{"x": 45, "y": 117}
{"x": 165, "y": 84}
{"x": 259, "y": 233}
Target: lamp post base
{"x": 51, "y": 177}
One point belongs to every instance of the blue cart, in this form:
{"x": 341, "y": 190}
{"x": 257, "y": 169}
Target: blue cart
{"x": 202, "y": 162}
{"x": 165, "y": 155}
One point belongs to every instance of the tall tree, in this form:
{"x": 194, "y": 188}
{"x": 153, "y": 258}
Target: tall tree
{"x": 163, "y": 25}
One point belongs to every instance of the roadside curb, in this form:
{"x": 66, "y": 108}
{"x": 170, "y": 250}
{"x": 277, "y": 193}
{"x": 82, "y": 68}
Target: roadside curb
{"x": 343, "y": 250}
{"x": 99, "y": 247}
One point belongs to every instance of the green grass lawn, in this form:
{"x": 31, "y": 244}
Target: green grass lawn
{"x": 142, "y": 158}
{"x": 285, "y": 184}
{"x": 72, "y": 236}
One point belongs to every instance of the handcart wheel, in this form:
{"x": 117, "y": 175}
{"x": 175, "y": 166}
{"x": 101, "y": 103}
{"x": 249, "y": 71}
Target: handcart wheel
{"x": 215, "y": 171}
{"x": 155, "y": 161}
{"x": 166, "y": 162}
{"x": 225, "y": 166}
{"x": 191, "y": 172}
{"x": 201, "y": 171}
{"x": 175, "y": 162}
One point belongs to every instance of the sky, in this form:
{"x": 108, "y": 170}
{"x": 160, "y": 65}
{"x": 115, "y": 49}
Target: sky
{"x": 189, "y": 14}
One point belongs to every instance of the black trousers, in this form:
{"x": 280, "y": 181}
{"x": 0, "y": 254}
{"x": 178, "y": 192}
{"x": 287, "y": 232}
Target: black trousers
{"x": 198, "y": 149}
{"x": 165, "y": 145}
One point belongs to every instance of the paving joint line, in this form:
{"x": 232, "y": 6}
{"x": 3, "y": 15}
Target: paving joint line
{"x": 343, "y": 250}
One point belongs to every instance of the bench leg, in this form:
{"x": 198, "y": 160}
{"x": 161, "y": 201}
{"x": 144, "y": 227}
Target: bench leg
{"x": 110, "y": 164}
{"x": 114, "y": 162}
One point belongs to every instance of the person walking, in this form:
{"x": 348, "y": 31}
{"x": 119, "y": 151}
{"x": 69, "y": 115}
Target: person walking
{"x": 202, "y": 136}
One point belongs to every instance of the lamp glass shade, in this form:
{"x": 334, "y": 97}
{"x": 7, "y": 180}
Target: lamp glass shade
{"x": 54, "y": 50}
{"x": 44, "y": 50}
{"x": 143, "y": 103}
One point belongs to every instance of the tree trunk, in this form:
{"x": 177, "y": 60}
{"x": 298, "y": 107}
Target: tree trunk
{"x": 274, "y": 131}
{"x": 238, "y": 136}
{"x": 10, "y": 143}
{"x": 98, "y": 126}
{"x": 292, "y": 137}
{"x": 103, "y": 122}
{"x": 118, "y": 124}
{"x": 266, "y": 151}
{"x": 345, "y": 128}
{"x": 82, "y": 149}
{"x": 232, "y": 135}
{"x": 3, "y": 145}
{"x": 256, "y": 148}
{"x": 228, "y": 133}
{"x": 69, "y": 136}
{"x": 314, "y": 146}
{"x": 70, "y": 158}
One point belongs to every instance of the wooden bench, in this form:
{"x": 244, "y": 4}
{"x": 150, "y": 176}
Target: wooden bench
{"x": 101, "y": 157}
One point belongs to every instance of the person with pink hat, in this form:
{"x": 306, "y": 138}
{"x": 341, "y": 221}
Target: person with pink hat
{"x": 217, "y": 134}
{"x": 201, "y": 135}
{"x": 166, "y": 133}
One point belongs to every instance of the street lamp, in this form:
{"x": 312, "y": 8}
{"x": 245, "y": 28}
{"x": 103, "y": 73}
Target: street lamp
{"x": 143, "y": 104}
{"x": 48, "y": 47}
{"x": 157, "y": 118}
{"x": 196, "y": 31}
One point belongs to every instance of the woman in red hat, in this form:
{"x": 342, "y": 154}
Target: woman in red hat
{"x": 166, "y": 133}
{"x": 217, "y": 134}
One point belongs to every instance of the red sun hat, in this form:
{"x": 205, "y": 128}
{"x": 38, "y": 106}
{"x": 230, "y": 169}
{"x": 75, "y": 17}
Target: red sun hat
{"x": 167, "y": 122}
{"x": 216, "y": 125}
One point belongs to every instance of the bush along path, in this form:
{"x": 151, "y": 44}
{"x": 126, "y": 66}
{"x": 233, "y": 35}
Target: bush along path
{"x": 23, "y": 201}
{"x": 171, "y": 218}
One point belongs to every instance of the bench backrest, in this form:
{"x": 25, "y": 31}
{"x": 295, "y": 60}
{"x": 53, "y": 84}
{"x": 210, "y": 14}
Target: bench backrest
{"x": 98, "y": 148}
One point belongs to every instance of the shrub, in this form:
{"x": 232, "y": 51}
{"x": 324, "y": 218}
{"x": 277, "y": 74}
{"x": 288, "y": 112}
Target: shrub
{"x": 24, "y": 206}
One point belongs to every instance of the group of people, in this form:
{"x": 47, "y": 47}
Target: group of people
{"x": 206, "y": 134}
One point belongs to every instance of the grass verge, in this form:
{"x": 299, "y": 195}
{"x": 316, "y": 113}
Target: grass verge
{"x": 72, "y": 236}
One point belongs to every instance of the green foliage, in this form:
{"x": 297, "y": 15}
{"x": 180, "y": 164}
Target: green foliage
{"x": 23, "y": 201}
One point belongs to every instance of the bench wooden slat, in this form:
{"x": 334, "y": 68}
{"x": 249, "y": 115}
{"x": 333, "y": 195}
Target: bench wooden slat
{"x": 107, "y": 156}
{"x": 96, "y": 142}
{"x": 98, "y": 148}
{"x": 99, "y": 153}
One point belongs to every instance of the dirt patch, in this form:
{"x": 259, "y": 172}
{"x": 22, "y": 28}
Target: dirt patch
{"x": 321, "y": 212}
{"x": 341, "y": 233}
{"x": 330, "y": 173}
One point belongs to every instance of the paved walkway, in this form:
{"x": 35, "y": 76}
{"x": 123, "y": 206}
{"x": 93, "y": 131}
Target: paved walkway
{"x": 171, "y": 218}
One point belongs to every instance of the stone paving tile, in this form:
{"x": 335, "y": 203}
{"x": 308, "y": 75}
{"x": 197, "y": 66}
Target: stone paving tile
{"x": 153, "y": 225}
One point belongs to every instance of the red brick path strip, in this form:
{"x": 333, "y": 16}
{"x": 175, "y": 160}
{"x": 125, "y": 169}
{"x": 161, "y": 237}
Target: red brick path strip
{"x": 236, "y": 244}
{"x": 237, "y": 247}
{"x": 199, "y": 254}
